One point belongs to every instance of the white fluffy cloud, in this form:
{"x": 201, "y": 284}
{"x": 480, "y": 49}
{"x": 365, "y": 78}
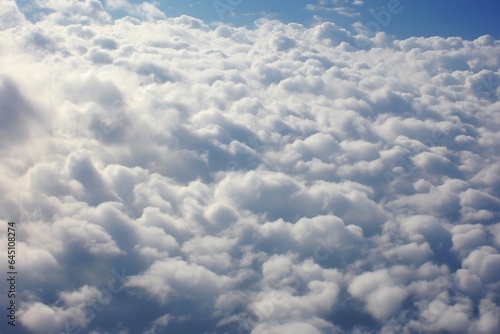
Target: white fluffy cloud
{"x": 265, "y": 179}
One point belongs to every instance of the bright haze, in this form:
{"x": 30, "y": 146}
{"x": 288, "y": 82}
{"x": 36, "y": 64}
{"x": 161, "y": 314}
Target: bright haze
{"x": 206, "y": 167}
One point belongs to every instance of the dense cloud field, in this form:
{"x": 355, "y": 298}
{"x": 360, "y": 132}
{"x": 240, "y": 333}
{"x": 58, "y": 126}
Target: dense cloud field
{"x": 169, "y": 176}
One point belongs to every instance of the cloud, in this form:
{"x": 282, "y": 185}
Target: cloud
{"x": 76, "y": 308}
{"x": 342, "y": 7}
{"x": 382, "y": 295}
{"x": 175, "y": 276}
{"x": 10, "y": 15}
{"x": 144, "y": 10}
{"x": 171, "y": 175}
{"x": 75, "y": 12}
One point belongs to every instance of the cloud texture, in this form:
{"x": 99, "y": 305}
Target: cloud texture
{"x": 173, "y": 176}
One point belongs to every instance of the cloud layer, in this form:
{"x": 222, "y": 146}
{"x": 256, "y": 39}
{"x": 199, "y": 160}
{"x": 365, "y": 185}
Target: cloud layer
{"x": 173, "y": 176}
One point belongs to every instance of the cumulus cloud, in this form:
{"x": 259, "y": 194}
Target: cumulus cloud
{"x": 168, "y": 175}
{"x": 10, "y": 15}
{"x": 382, "y": 295}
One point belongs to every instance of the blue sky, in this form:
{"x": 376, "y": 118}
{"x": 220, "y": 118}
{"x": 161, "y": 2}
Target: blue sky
{"x": 426, "y": 18}
{"x": 468, "y": 19}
